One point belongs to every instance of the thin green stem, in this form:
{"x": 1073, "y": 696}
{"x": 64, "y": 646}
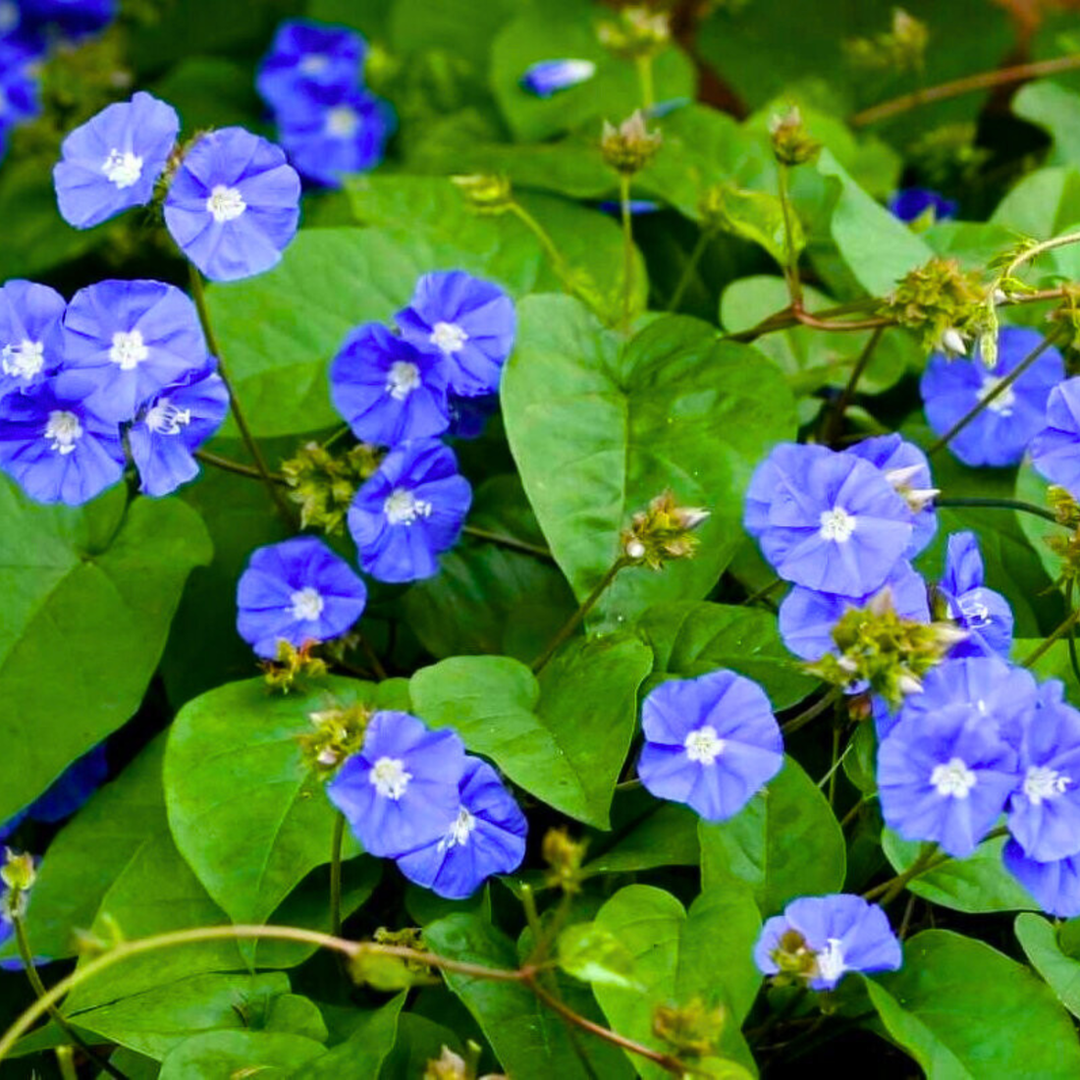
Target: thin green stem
{"x": 336, "y": 842}
{"x": 236, "y": 467}
{"x": 853, "y": 813}
{"x": 511, "y": 542}
{"x": 65, "y": 1062}
{"x": 791, "y": 255}
{"x": 761, "y": 593}
{"x": 690, "y": 267}
{"x": 554, "y": 255}
{"x": 371, "y": 656}
{"x": 997, "y": 504}
{"x": 1033, "y": 252}
{"x": 812, "y": 713}
{"x": 1061, "y": 631}
{"x": 835, "y": 422}
{"x": 628, "y": 250}
{"x": 927, "y": 859}
{"x": 644, "y": 65}
{"x": 1072, "y": 633}
{"x": 336, "y": 436}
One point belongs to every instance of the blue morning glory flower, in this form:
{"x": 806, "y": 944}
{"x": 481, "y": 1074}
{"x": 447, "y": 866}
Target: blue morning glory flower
{"x": 31, "y": 340}
{"x": 55, "y": 447}
{"x": 909, "y": 204}
{"x": 548, "y": 77}
{"x": 827, "y": 520}
{"x": 826, "y": 937}
{"x": 172, "y": 426}
{"x": 73, "y": 17}
{"x": 113, "y": 161}
{"x": 297, "y": 591}
{"x": 132, "y": 338}
{"x": 18, "y": 87}
{"x": 487, "y": 837}
{"x": 710, "y": 742}
{"x": 470, "y": 322}
{"x": 233, "y": 205}
{"x": 1055, "y": 885}
{"x": 401, "y": 791}
{"x": 1055, "y": 451}
{"x": 999, "y": 435}
{"x": 407, "y": 513}
{"x": 983, "y": 613}
{"x": 305, "y": 54}
{"x": 67, "y": 793}
{"x": 387, "y": 390}
{"x": 330, "y": 132}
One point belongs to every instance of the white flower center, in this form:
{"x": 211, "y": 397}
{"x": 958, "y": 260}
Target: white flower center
{"x": 704, "y": 745}
{"x": 313, "y": 63}
{"x": 460, "y": 831}
{"x": 307, "y": 604}
{"x": 128, "y": 349}
{"x": 64, "y": 430}
{"x": 448, "y": 337}
{"x": 389, "y": 778}
{"x": 402, "y": 507}
{"x": 1043, "y": 783}
{"x": 24, "y": 360}
{"x": 122, "y": 169}
{"x": 830, "y": 961}
{"x": 402, "y": 379}
{"x": 225, "y": 203}
{"x": 1004, "y": 402}
{"x": 974, "y": 611}
{"x": 166, "y": 419}
{"x": 953, "y": 779}
{"x": 836, "y": 524}
{"x": 342, "y": 122}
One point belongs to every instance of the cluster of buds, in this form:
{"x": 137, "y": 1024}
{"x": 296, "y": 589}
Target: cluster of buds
{"x": 1065, "y": 320}
{"x": 564, "y": 857}
{"x": 451, "y": 1066}
{"x": 323, "y": 485}
{"x": 292, "y": 663}
{"x": 662, "y": 532}
{"x": 879, "y": 647}
{"x": 943, "y": 303}
{"x": 629, "y": 147}
{"x": 691, "y": 1030}
{"x": 901, "y": 48}
{"x": 636, "y": 33}
{"x": 798, "y": 963}
{"x": 387, "y": 971}
{"x": 486, "y": 195}
{"x": 916, "y": 498}
{"x": 792, "y": 144}
{"x": 18, "y": 873}
{"x": 1065, "y": 545}
{"x": 338, "y": 734}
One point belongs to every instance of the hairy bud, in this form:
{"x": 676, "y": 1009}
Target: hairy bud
{"x": 292, "y": 664}
{"x": 792, "y": 143}
{"x": 943, "y": 303}
{"x": 485, "y": 194}
{"x": 338, "y": 734}
{"x": 691, "y": 1030}
{"x": 324, "y": 485}
{"x": 629, "y": 147}
{"x": 564, "y": 857}
{"x": 901, "y": 48}
{"x": 635, "y": 33}
{"x": 662, "y": 532}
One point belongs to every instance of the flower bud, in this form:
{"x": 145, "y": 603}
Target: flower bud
{"x": 339, "y": 733}
{"x": 564, "y": 857}
{"x": 629, "y": 147}
{"x": 324, "y": 485}
{"x": 636, "y": 33}
{"x": 691, "y": 1030}
{"x": 19, "y": 871}
{"x": 662, "y": 532}
{"x": 485, "y": 194}
{"x": 291, "y": 664}
{"x": 952, "y": 342}
{"x": 943, "y": 303}
{"x": 792, "y": 143}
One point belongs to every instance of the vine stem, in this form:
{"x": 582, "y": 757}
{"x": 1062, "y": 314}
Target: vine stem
{"x": 998, "y": 504}
{"x": 791, "y": 256}
{"x": 1033, "y": 252}
{"x": 1073, "y": 660}
{"x": 236, "y": 467}
{"x": 928, "y": 858}
{"x": 687, "y": 275}
{"x": 628, "y": 249}
{"x": 335, "y": 874}
{"x": 1061, "y": 631}
{"x": 836, "y": 417}
{"x": 812, "y": 713}
{"x": 507, "y": 541}
{"x": 555, "y": 256}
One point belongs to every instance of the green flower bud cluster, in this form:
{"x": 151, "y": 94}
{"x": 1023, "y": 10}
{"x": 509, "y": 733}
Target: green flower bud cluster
{"x": 662, "y": 532}
{"x": 635, "y": 33}
{"x": 292, "y": 664}
{"x": 18, "y": 873}
{"x": 1066, "y": 545}
{"x": 943, "y": 303}
{"x": 795, "y": 959}
{"x": 324, "y": 485}
{"x": 338, "y": 734}
{"x": 792, "y": 143}
{"x": 564, "y": 857}
{"x": 629, "y": 147}
{"x": 901, "y": 48}
{"x": 691, "y": 1030}
{"x": 486, "y": 195}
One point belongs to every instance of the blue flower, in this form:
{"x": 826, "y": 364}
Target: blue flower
{"x": 487, "y": 837}
{"x": 470, "y": 322}
{"x": 1055, "y": 451}
{"x": 909, "y": 204}
{"x": 710, "y": 742}
{"x": 31, "y": 341}
{"x": 829, "y": 521}
{"x": 825, "y": 937}
{"x": 547, "y": 77}
{"x": 132, "y": 338}
{"x": 18, "y": 87}
{"x": 233, "y": 205}
{"x": 113, "y": 161}
{"x": 297, "y": 591}
{"x": 807, "y": 617}
{"x": 73, "y": 17}
{"x": 305, "y": 54}
{"x": 67, "y": 793}
{"x": 983, "y": 613}
{"x": 636, "y": 206}
{"x": 55, "y": 447}
{"x": 1001, "y": 432}
{"x": 386, "y": 389}
{"x": 172, "y": 426}
{"x": 468, "y": 415}
{"x": 401, "y": 791}
{"x": 407, "y": 513}
{"x": 1055, "y": 885}
{"x": 331, "y": 132}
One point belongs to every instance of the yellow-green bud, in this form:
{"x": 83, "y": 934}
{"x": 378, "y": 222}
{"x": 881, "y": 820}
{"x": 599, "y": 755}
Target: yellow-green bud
{"x": 692, "y": 1030}
{"x": 662, "y": 532}
{"x": 564, "y": 857}
{"x": 901, "y": 48}
{"x": 635, "y": 33}
{"x": 292, "y": 663}
{"x": 18, "y": 871}
{"x": 485, "y": 194}
{"x": 324, "y": 485}
{"x": 629, "y": 147}
{"x": 792, "y": 143}
{"x": 339, "y": 733}
{"x": 943, "y": 303}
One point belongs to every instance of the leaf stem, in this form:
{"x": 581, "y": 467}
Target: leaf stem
{"x": 336, "y": 842}
{"x": 236, "y": 467}
{"x": 791, "y": 255}
{"x": 628, "y": 249}
{"x": 1064, "y": 628}
{"x": 554, "y": 255}
{"x": 835, "y": 422}
{"x": 511, "y": 542}
{"x": 999, "y": 504}
{"x": 811, "y": 713}
{"x": 927, "y": 859}
{"x": 704, "y": 238}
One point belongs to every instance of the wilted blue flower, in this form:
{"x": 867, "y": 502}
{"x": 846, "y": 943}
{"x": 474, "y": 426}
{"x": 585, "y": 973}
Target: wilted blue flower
{"x": 72, "y": 17}
{"x": 547, "y": 77}
{"x": 470, "y": 322}
{"x": 55, "y": 447}
{"x": 1055, "y": 451}
{"x": 487, "y": 837}
{"x": 387, "y": 390}
{"x": 31, "y": 341}
{"x": 305, "y": 54}
{"x": 297, "y": 591}
{"x": 233, "y": 205}
{"x": 825, "y": 937}
{"x": 113, "y": 161}
{"x": 331, "y": 132}
{"x": 468, "y": 415}
{"x": 983, "y": 613}
{"x": 826, "y": 520}
{"x": 18, "y": 87}
{"x": 171, "y": 427}
{"x": 1055, "y": 885}
{"x": 409, "y": 511}
{"x": 909, "y": 204}
{"x": 710, "y": 742}
{"x": 67, "y": 793}
{"x": 401, "y": 791}
{"x": 636, "y": 207}
{"x": 1001, "y": 432}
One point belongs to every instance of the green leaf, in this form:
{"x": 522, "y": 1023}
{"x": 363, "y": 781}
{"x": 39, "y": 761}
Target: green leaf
{"x": 1053, "y": 108}
{"x": 226, "y": 1055}
{"x": 757, "y": 216}
{"x": 1038, "y": 938}
{"x": 1032, "y": 488}
{"x": 598, "y": 430}
{"x": 964, "y": 1011}
{"x": 785, "y": 843}
{"x": 595, "y": 955}
{"x": 666, "y": 834}
{"x": 1044, "y": 204}
{"x": 362, "y": 1054}
{"x": 98, "y": 587}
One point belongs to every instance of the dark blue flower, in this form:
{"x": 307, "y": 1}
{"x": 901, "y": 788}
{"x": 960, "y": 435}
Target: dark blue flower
{"x": 55, "y": 447}
{"x": 304, "y": 54}
{"x": 547, "y": 77}
{"x": 909, "y": 204}
{"x": 386, "y": 389}
{"x": 401, "y": 791}
{"x": 636, "y": 206}
{"x": 114, "y": 160}
{"x": 171, "y": 427}
{"x": 133, "y": 339}
{"x": 18, "y": 87}
{"x": 829, "y": 521}
{"x": 469, "y": 415}
{"x": 73, "y": 18}
{"x": 1055, "y": 885}
{"x": 233, "y": 205}
{"x": 826, "y": 937}
{"x": 297, "y": 591}
{"x": 487, "y": 837}
{"x": 983, "y": 613}
{"x": 1001, "y": 432}
{"x": 409, "y": 511}
{"x": 1055, "y": 451}
{"x": 31, "y": 340}
{"x": 67, "y": 793}
{"x": 710, "y": 742}
{"x": 470, "y": 322}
